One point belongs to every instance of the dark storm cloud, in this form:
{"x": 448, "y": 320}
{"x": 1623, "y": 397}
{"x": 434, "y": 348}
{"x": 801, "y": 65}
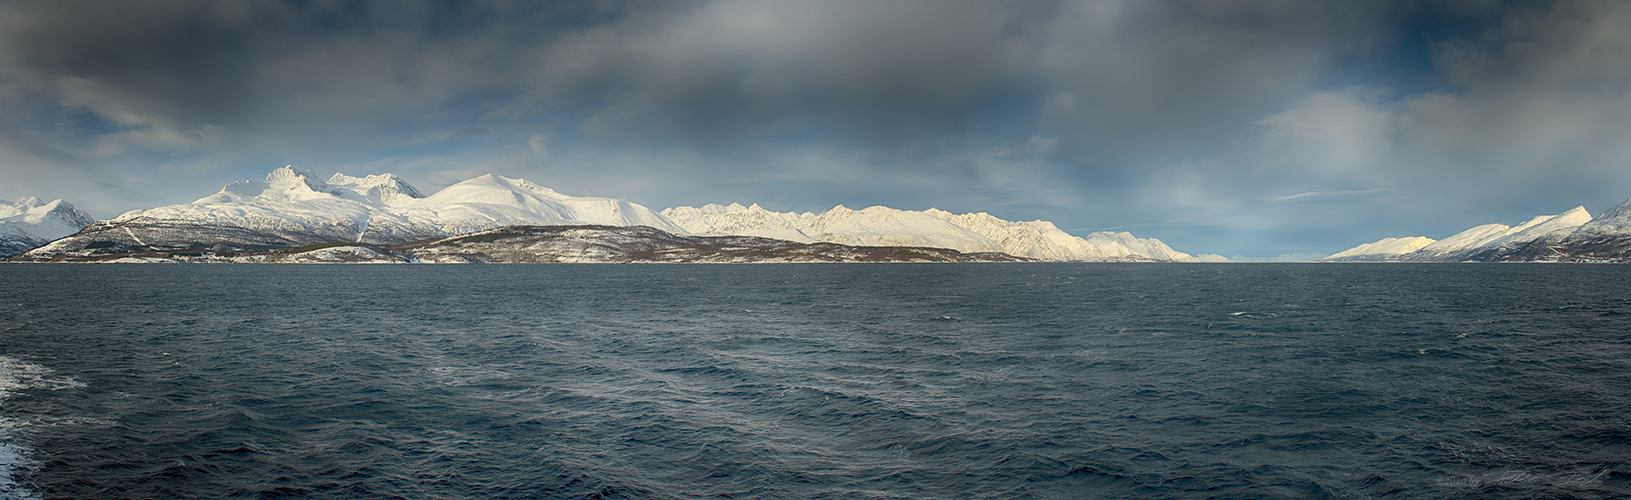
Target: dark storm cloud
{"x": 295, "y": 70}
{"x": 1127, "y": 75}
{"x": 1108, "y": 90}
{"x": 735, "y": 72}
{"x": 1115, "y": 89}
{"x": 184, "y": 62}
{"x": 1172, "y": 119}
{"x": 1540, "y": 100}
{"x": 1125, "y": 78}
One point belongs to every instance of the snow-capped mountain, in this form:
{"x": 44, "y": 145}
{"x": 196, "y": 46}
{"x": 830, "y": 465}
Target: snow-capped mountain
{"x": 294, "y": 207}
{"x": 1490, "y": 241}
{"x": 1542, "y": 238}
{"x": 884, "y": 226}
{"x": 1607, "y": 237}
{"x": 1615, "y": 222}
{"x": 28, "y": 224}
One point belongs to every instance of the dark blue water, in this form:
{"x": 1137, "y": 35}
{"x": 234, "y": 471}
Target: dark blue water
{"x": 816, "y": 381}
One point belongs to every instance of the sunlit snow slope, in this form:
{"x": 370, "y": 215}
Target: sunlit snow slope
{"x": 1383, "y": 249}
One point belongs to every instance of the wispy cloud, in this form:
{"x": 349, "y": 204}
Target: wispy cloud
{"x": 1321, "y": 196}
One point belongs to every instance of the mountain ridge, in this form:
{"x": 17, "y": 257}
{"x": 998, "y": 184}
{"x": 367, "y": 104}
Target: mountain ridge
{"x": 292, "y": 207}
{"x": 1571, "y": 236}
{"x": 972, "y": 232}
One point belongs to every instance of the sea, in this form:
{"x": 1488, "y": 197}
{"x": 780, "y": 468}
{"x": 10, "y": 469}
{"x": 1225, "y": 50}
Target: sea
{"x": 881, "y": 381}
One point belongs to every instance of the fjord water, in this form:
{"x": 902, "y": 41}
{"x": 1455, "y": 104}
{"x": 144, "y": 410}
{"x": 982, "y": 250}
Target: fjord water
{"x": 816, "y": 381}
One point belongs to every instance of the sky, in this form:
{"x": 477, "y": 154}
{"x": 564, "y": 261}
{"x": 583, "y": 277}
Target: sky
{"x": 1240, "y": 128}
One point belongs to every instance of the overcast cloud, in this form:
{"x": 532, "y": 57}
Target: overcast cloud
{"x": 1254, "y": 127}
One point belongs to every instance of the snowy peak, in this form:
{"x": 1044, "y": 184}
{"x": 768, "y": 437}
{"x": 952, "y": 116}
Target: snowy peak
{"x": 1614, "y": 221}
{"x": 296, "y": 182}
{"x": 1544, "y": 227}
{"x": 737, "y": 220}
{"x": 475, "y": 204}
{"x": 63, "y": 211}
{"x": 31, "y": 211}
{"x": 23, "y": 205}
{"x": 714, "y": 209}
{"x": 8, "y": 209}
{"x": 28, "y": 223}
{"x": 285, "y": 183}
{"x": 384, "y": 188}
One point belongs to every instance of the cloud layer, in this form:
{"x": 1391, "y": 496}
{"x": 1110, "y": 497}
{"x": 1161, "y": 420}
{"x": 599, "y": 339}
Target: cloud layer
{"x": 1258, "y": 128}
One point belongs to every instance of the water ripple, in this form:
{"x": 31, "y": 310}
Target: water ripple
{"x": 815, "y": 381}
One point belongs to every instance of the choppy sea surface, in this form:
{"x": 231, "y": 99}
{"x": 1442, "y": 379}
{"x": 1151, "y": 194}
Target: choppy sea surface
{"x": 816, "y": 381}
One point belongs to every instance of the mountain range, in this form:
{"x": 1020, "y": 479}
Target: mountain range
{"x": 884, "y": 226}
{"x": 1572, "y": 236}
{"x": 383, "y": 215}
{"x": 294, "y": 207}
